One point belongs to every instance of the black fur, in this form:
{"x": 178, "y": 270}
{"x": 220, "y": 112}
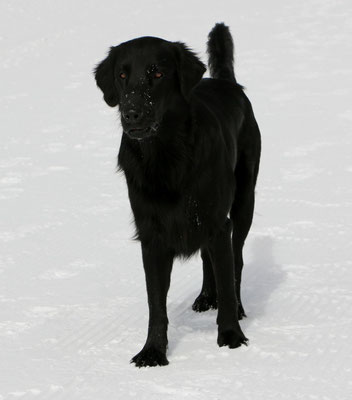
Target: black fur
{"x": 220, "y": 52}
{"x": 190, "y": 153}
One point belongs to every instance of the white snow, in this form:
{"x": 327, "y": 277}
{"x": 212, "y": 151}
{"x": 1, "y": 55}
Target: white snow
{"x": 73, "y": 302}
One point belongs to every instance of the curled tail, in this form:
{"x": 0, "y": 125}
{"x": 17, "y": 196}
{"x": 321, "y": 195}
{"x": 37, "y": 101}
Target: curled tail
{"x": 220, "y": 51}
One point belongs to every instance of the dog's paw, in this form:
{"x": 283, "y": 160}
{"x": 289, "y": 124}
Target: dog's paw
{"x": 150, "y": 357}
{"x": 204, "y": 303}
{"x": 232, "y": 338}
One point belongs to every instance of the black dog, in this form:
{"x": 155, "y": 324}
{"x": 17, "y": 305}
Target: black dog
{"x": 190, "y": 153}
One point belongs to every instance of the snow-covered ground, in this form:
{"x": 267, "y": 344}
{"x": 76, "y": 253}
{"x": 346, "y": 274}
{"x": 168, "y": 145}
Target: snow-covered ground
{"x": 73, "y": 302}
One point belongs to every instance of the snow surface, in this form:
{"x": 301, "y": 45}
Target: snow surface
{"x": 73, "y": 302}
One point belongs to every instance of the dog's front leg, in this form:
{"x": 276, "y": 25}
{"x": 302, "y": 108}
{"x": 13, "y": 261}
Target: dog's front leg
{"x": 157, "y": 263}
{"x": 229, "y": 330}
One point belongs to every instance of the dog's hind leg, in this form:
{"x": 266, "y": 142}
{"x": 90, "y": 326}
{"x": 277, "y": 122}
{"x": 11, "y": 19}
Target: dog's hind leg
{"x": 229, "y": 330}
{"x": 207, "y": 298}
{"x": 241, "y": 215}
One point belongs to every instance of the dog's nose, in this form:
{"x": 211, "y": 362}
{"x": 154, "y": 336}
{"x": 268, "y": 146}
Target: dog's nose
{"x": 132, "y": 116}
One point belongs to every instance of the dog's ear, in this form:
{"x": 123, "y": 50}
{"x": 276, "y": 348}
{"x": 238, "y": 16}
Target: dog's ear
{"x": 189, "y": 68}
{"x": 104, "y": 76}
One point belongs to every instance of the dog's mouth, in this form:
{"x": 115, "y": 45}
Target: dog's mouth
{"x": 142, "y": 133}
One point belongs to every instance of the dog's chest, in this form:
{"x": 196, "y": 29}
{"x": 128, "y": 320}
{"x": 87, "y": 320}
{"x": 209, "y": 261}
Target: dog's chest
{"x": 193, "y": 213}
{"x": 179, "y": 225}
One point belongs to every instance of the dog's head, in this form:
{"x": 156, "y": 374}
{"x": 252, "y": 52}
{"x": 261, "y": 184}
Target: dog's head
{"x": 147, "y": 77}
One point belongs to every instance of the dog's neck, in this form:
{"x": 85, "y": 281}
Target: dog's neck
{"x": 159, "y": 163}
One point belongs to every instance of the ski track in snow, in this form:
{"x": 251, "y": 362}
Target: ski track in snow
{"x": 73, "y": 302}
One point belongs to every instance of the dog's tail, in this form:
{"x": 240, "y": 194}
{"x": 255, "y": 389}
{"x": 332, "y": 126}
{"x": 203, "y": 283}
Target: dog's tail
{"x": 220, "y": 52}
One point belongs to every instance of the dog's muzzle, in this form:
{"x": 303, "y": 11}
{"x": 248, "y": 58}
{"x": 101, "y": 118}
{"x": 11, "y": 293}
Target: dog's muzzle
{"x": 140, "y": 133}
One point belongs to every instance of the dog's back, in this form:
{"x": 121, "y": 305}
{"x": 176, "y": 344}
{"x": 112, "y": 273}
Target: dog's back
{"x": 224, "y": 99}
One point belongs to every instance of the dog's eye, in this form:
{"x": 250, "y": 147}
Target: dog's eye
{"x": 123, "y": 75}
{"x": 158, "y": 75}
